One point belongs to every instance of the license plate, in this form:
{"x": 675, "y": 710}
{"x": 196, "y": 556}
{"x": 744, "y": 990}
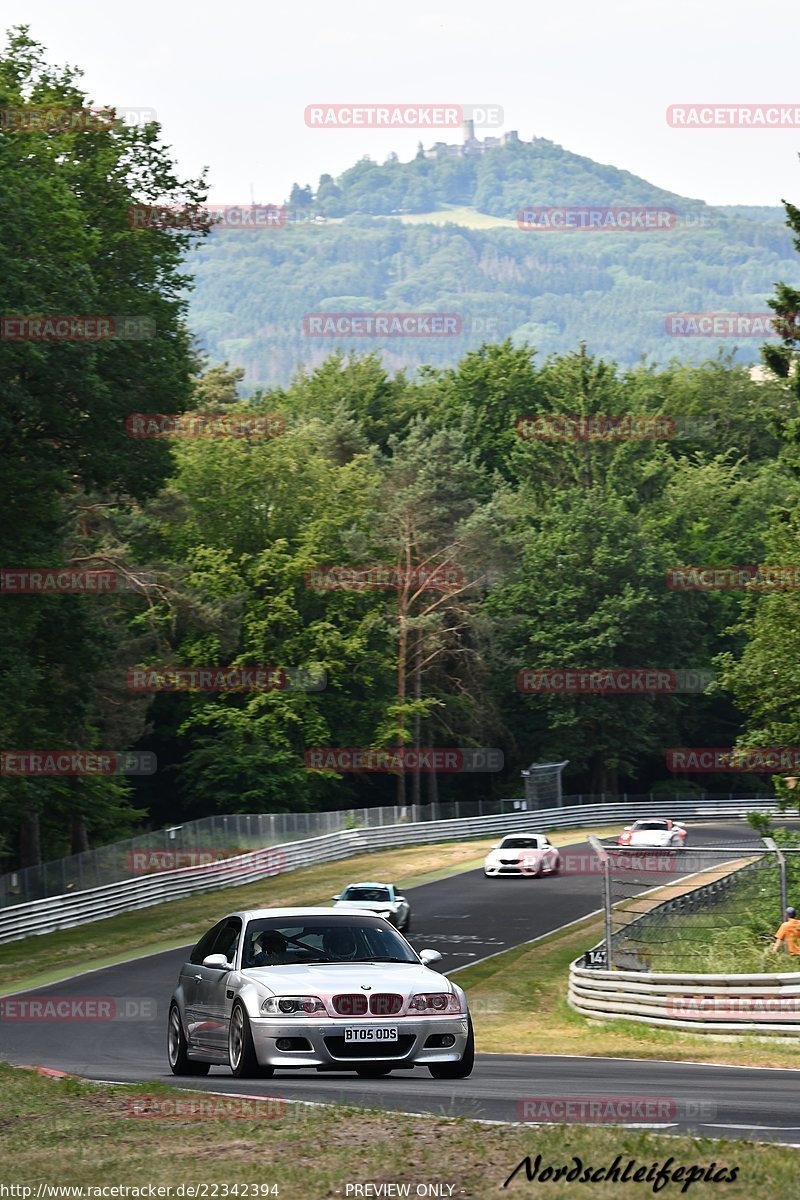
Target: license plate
{"x": 371, "y": 1033}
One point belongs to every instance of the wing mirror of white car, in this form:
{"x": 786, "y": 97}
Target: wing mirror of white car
{"x": 399, "y": 899}
{"x": 219, "y": 961}
{"x": 336, "y": 897}
{"x": 429, "y": 957}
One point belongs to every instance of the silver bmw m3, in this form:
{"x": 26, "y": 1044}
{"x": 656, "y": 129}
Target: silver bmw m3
{"x": 286, "y": 988}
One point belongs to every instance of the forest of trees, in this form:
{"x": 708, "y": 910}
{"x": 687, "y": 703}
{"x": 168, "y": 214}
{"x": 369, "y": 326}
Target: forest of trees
{"x": 560, "y": 548}
{"x": 612, "y": 290}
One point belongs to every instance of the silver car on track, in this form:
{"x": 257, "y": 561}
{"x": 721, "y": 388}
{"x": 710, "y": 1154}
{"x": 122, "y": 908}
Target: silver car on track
{"x": 309, "y": 987}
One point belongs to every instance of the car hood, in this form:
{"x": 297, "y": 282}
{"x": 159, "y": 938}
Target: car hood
{"x": 515, "y": 852}
{"x": 650, "y": 837}
{"x": 320, "y": 980}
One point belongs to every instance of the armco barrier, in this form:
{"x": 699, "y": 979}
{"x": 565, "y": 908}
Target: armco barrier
{"x": 94, "y": 904}
{"x": 710, "y": 1004}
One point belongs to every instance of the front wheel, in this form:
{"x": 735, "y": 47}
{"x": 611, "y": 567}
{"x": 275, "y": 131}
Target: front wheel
{"x": 407, "y": 925}
{"x": 460, "y": 1069}
{"x": 177, "y": 1049}
{"x": 241, "y": 1051}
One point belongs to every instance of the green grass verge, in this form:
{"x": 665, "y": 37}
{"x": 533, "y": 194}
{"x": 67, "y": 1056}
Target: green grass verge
{"x": 36, "y": 961}
{"x": 63, "y": 1132}
{"x": 519, "y": 1002}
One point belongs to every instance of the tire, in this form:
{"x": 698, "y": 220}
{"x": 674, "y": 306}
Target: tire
{"x": 556, "y": 867}
{"x": 460, "y": 1069}
{"x": 407, "y": 925}
{"x": 370, "y": 1072}
{"x": 179, "y": 1061}
{"x": 241, "y": 1051}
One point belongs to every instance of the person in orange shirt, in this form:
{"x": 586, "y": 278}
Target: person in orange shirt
{"x": 789, "y": 932}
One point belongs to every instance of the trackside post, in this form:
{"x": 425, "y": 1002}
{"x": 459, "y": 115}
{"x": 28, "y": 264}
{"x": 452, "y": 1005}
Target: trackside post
{"x": 771, "y": 845}
{"x": 602, "y": 854}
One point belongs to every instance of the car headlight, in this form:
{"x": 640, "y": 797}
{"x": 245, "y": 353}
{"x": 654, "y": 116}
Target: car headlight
{"x": 292, "y": 1006}
{"x": 435, "y": 1003}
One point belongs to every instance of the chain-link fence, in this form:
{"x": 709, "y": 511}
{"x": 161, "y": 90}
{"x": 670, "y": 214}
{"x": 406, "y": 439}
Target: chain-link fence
{"x": 202, "y": 841}
{"x": 712, "y": 910}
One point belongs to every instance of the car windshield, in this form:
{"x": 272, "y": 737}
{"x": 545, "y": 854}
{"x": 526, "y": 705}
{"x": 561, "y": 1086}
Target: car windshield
{"x": 651, "y": 825}
{"x": 520, "y": 843}
{"x": 289, "y": 941}
{"x": 374, "y": 895}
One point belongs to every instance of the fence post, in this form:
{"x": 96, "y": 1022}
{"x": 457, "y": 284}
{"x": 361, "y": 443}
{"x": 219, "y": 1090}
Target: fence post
{"x": 770, "y": 844}
{"x": 602, "y": 854}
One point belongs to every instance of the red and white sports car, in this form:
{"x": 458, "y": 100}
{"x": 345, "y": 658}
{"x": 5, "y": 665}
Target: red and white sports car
{"x": 653, "y": 833}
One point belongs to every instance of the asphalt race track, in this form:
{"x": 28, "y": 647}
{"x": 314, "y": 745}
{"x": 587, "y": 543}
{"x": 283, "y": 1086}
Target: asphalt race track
{"x": 466, "y": 918}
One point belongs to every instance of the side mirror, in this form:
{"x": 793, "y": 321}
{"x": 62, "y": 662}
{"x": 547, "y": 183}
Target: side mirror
{"x": 495, "y": 846}
{"x": 628, "y": 828}
{"x": 429, "y": 957}
{"x": 400, "y": 900}
{"x": 336, "y": 897}
{"x": 218, "y": 961}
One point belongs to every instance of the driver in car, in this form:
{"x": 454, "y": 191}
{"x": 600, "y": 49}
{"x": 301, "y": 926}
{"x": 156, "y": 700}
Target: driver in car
{"x": 272, "y": 949}
{"x": 340, "y": 943}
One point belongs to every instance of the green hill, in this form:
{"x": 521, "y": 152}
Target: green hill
{"x": 441, "y": 235}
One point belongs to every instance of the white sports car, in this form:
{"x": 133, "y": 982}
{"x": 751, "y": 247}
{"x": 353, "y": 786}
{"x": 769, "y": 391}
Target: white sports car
{"x": 383, "y": 899}
{"x": 653, "y": 833}
{"x": 285, "y": 988}
{"x": 522, "y": 854}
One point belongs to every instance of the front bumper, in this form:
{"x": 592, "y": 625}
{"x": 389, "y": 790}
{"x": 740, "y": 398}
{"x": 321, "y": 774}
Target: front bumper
{"x": 515, "y": 869}
{"x": 325, "y": 1038}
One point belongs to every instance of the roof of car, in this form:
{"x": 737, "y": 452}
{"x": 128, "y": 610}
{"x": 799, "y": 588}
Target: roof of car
{"x": 256, "y": 913}
{"x": 369, "y": 884}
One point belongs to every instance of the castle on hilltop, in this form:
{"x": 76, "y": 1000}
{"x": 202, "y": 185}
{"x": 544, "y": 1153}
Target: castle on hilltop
{"x": 471, "y": 145}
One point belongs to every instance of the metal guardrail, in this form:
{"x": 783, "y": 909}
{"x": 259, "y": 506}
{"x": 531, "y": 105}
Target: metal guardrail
{"x": 711, "y": 1004}
{"x": 225, "y": 834}
{"x": 94, "y": 904}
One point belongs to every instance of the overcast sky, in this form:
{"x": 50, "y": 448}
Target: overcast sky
{"x": 230, "y": 81}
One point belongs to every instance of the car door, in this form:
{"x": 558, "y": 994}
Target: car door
{"x": 191, "y": 977}
{"x": 212, "y": 1003}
